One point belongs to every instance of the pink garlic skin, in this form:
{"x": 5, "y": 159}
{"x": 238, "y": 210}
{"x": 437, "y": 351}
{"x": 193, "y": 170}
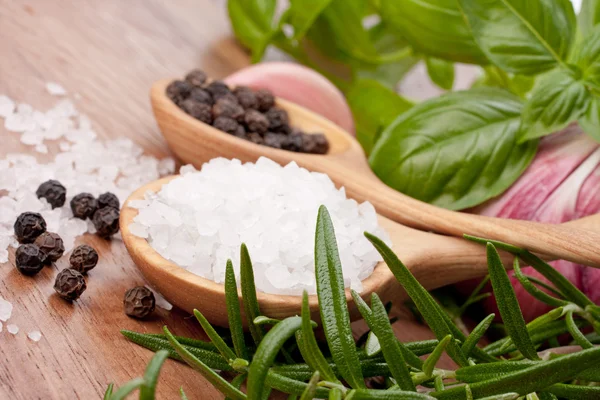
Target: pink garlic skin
{"x": 300, "y": 85}
{"x": 561, "y": 184}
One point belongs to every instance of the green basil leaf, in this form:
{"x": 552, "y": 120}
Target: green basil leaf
{"x": 496, "y": 77}
{"x": 148, "y": 389}
{"x": 587, "y": 57}
{"x": 454, "y": 151}
{"x": 303, "y": 13}
{"x": 589, "y": 16}
{"x": 249, "y": 299}
{"x": 433, "y": 27}
{"x": 374, "y": 107}
{"x": 332, "y": 301}
{"x": 508, "y": 304}
{"x": 558, "y": 99}
{"x": 524, "y": 37}
{"x": 252, "y": 23}
{"x": 590, "y": 120}
{"x": 266, "y": 352}
{"x": 441, "y": 72}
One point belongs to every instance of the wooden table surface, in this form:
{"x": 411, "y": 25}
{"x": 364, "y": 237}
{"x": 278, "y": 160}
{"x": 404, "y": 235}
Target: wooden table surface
{"x": 109, "y": 52}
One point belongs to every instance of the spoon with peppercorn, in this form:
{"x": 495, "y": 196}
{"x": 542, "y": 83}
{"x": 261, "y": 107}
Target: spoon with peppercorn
{"x": 186, "y": 125}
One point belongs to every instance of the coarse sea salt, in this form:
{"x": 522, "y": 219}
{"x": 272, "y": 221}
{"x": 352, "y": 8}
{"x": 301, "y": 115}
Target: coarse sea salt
{"x": 84, "y": 164}
{"x": 199, "y": 219}
{"x": 6, "y": 308}
{"x": 35, "y": 336}
{"x": 12, "y": 329}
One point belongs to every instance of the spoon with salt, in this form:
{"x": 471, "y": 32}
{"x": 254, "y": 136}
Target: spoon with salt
{"x": 196, "y": 143}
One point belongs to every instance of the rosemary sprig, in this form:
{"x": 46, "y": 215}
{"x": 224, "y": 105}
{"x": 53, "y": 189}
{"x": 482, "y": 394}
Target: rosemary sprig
{"x": 520, "y": 372}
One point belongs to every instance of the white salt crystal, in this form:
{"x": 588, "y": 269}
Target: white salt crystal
{"x": 41, "y": 148}
{"x": 12, "y": 328}
{"x": 5, "y": 309}
{"x": 34, "y": 335}
{"x": 199, "y": 220}
{"x": 0, "y": 326}
{"x": 55, "y": 89}
{"x": 166, "y": 166}
{"x": 7, "y": 106}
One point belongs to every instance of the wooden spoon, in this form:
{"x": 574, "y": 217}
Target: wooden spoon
{"x": 196, "y": 143}
{"x": 435, "y": 260}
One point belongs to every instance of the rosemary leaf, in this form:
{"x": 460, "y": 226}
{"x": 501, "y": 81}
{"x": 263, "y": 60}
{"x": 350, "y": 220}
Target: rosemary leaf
{"x": 537, "y": 377}
{"x": 201, "y": 344}
{"x": 311, "y": 389}
{"x": 544, "y": 285}
{"x": 225, "y": 351}
{"x": 508, "y": 304}
{"x": 372, "y": 394}
{"x": 335, "y": 394}
{"x": 476, "y": 335}
{"x": 215, "y": 379}
{"x": 249, "y": 298}
{"x": 266, "y": 353}
{"x": 308, "y": 345}
{"x": 108, "y": 392}
{"x": 547, "y": 396}
{"x": 262, "y": 320}
{"x": 534, "y": 291}
{"x": 182, "y": 394}
{"x": 435, "y": 317}
{"x": 434, "y": 357}
{"x": 292, "y": 386}
{"x": 578, "y": 336}
{"x": 127, "y": 388}
{"x": 575, "y": 392}
{"x": 332, "y": 301}
{"x": 237, "y": 382}
{"x": 148, "y": 389}
{"x": 234, "y": 314}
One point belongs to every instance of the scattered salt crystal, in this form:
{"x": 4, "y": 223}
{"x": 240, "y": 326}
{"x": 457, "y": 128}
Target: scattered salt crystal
{"x": 7, "y": 106}
{"x": 35, "y": 336}
{"x": 55, "y": 89}
{"x": 64, "y": 146}
{"x": 0, "y": 326}
{"x": 6, "y": 308}
{"x": 160, "y": 300}
{"x": 199, "y": 220}
{"x": 12, "y": 328}
{"x": 166, "y": 166}
{"x": 41, "y": 148}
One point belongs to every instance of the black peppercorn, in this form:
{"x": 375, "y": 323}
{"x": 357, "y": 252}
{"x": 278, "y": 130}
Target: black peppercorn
{"x": 274, "y": 140}
{"x": 29, "y": 226}
{"x": 293, "y": 142}
{"x": 224, "y": 107}
{"x": 54, "y": 193}
{"x": 29, "y": 259}
{"x": 139, "y": 302}
{"x": 200, "y": 95}
{"x": 106, "y": 221}
{"x": 51, "y": 245}
{"x": 255, "y": 138}
{"x": 278, "y": 119}
{"x": 200, "y": 111}
{"x": 108, "y": 200}
{"x": 196, "y": 77}
{"x": 256, "y": 121}
{"x": 265, "y": 99}
{"x": 316, "y": 143}
{"x": 226, "y": 125}
{"x": 84, "y": 205}
{"x": 246, "y": 97}
{"x": 179, "y": 90}
{"x": 83, "y": 258}
{"x": 69, "y": 284}
{"x": 218, "y": 89}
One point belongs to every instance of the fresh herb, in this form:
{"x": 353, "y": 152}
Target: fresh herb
{"x": 508, "y": 368}
{"x": 535, "y": 49}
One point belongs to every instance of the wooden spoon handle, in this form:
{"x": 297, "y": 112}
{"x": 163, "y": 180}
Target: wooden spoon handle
{"x": 566, "y": 242}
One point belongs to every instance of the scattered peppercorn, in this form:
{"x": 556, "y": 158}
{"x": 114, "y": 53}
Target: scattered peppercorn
{"x": 83, "y": 258}
{"x": 200, "y": 95}
{"x": 108, "y": 199}
{"x": 225, "y": 107}
{"x": 218, "y": 89}
{"x": 69, "y": 284}
{"x": 54, "y": 193}
{"x": 265, "y": 99}
{"x": 200, "y": 111}
{"x": 139, "y": 302}
{"x": 179, "y": 90}
{"x": 196, "y": 77}
{"x": 242, "y": 112}
{"x": 29, "y": 259}
{"x": 256, "y": 121}
{"x": 29, "y": 226}
{"x": 246, "y": 97}
{"x": 226, "y": 124}
{"x": 51, "y": 245}
{"x": 84, "y": 205}
{"x": 106, "y": 221}
{"x": 278, "y": 119}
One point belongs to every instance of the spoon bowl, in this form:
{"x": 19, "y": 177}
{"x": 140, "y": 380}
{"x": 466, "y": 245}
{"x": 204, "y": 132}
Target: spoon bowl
{"x": 196, "y": 143}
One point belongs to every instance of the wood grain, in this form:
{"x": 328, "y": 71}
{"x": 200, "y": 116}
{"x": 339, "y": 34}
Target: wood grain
{"x": 109, "y": 52}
